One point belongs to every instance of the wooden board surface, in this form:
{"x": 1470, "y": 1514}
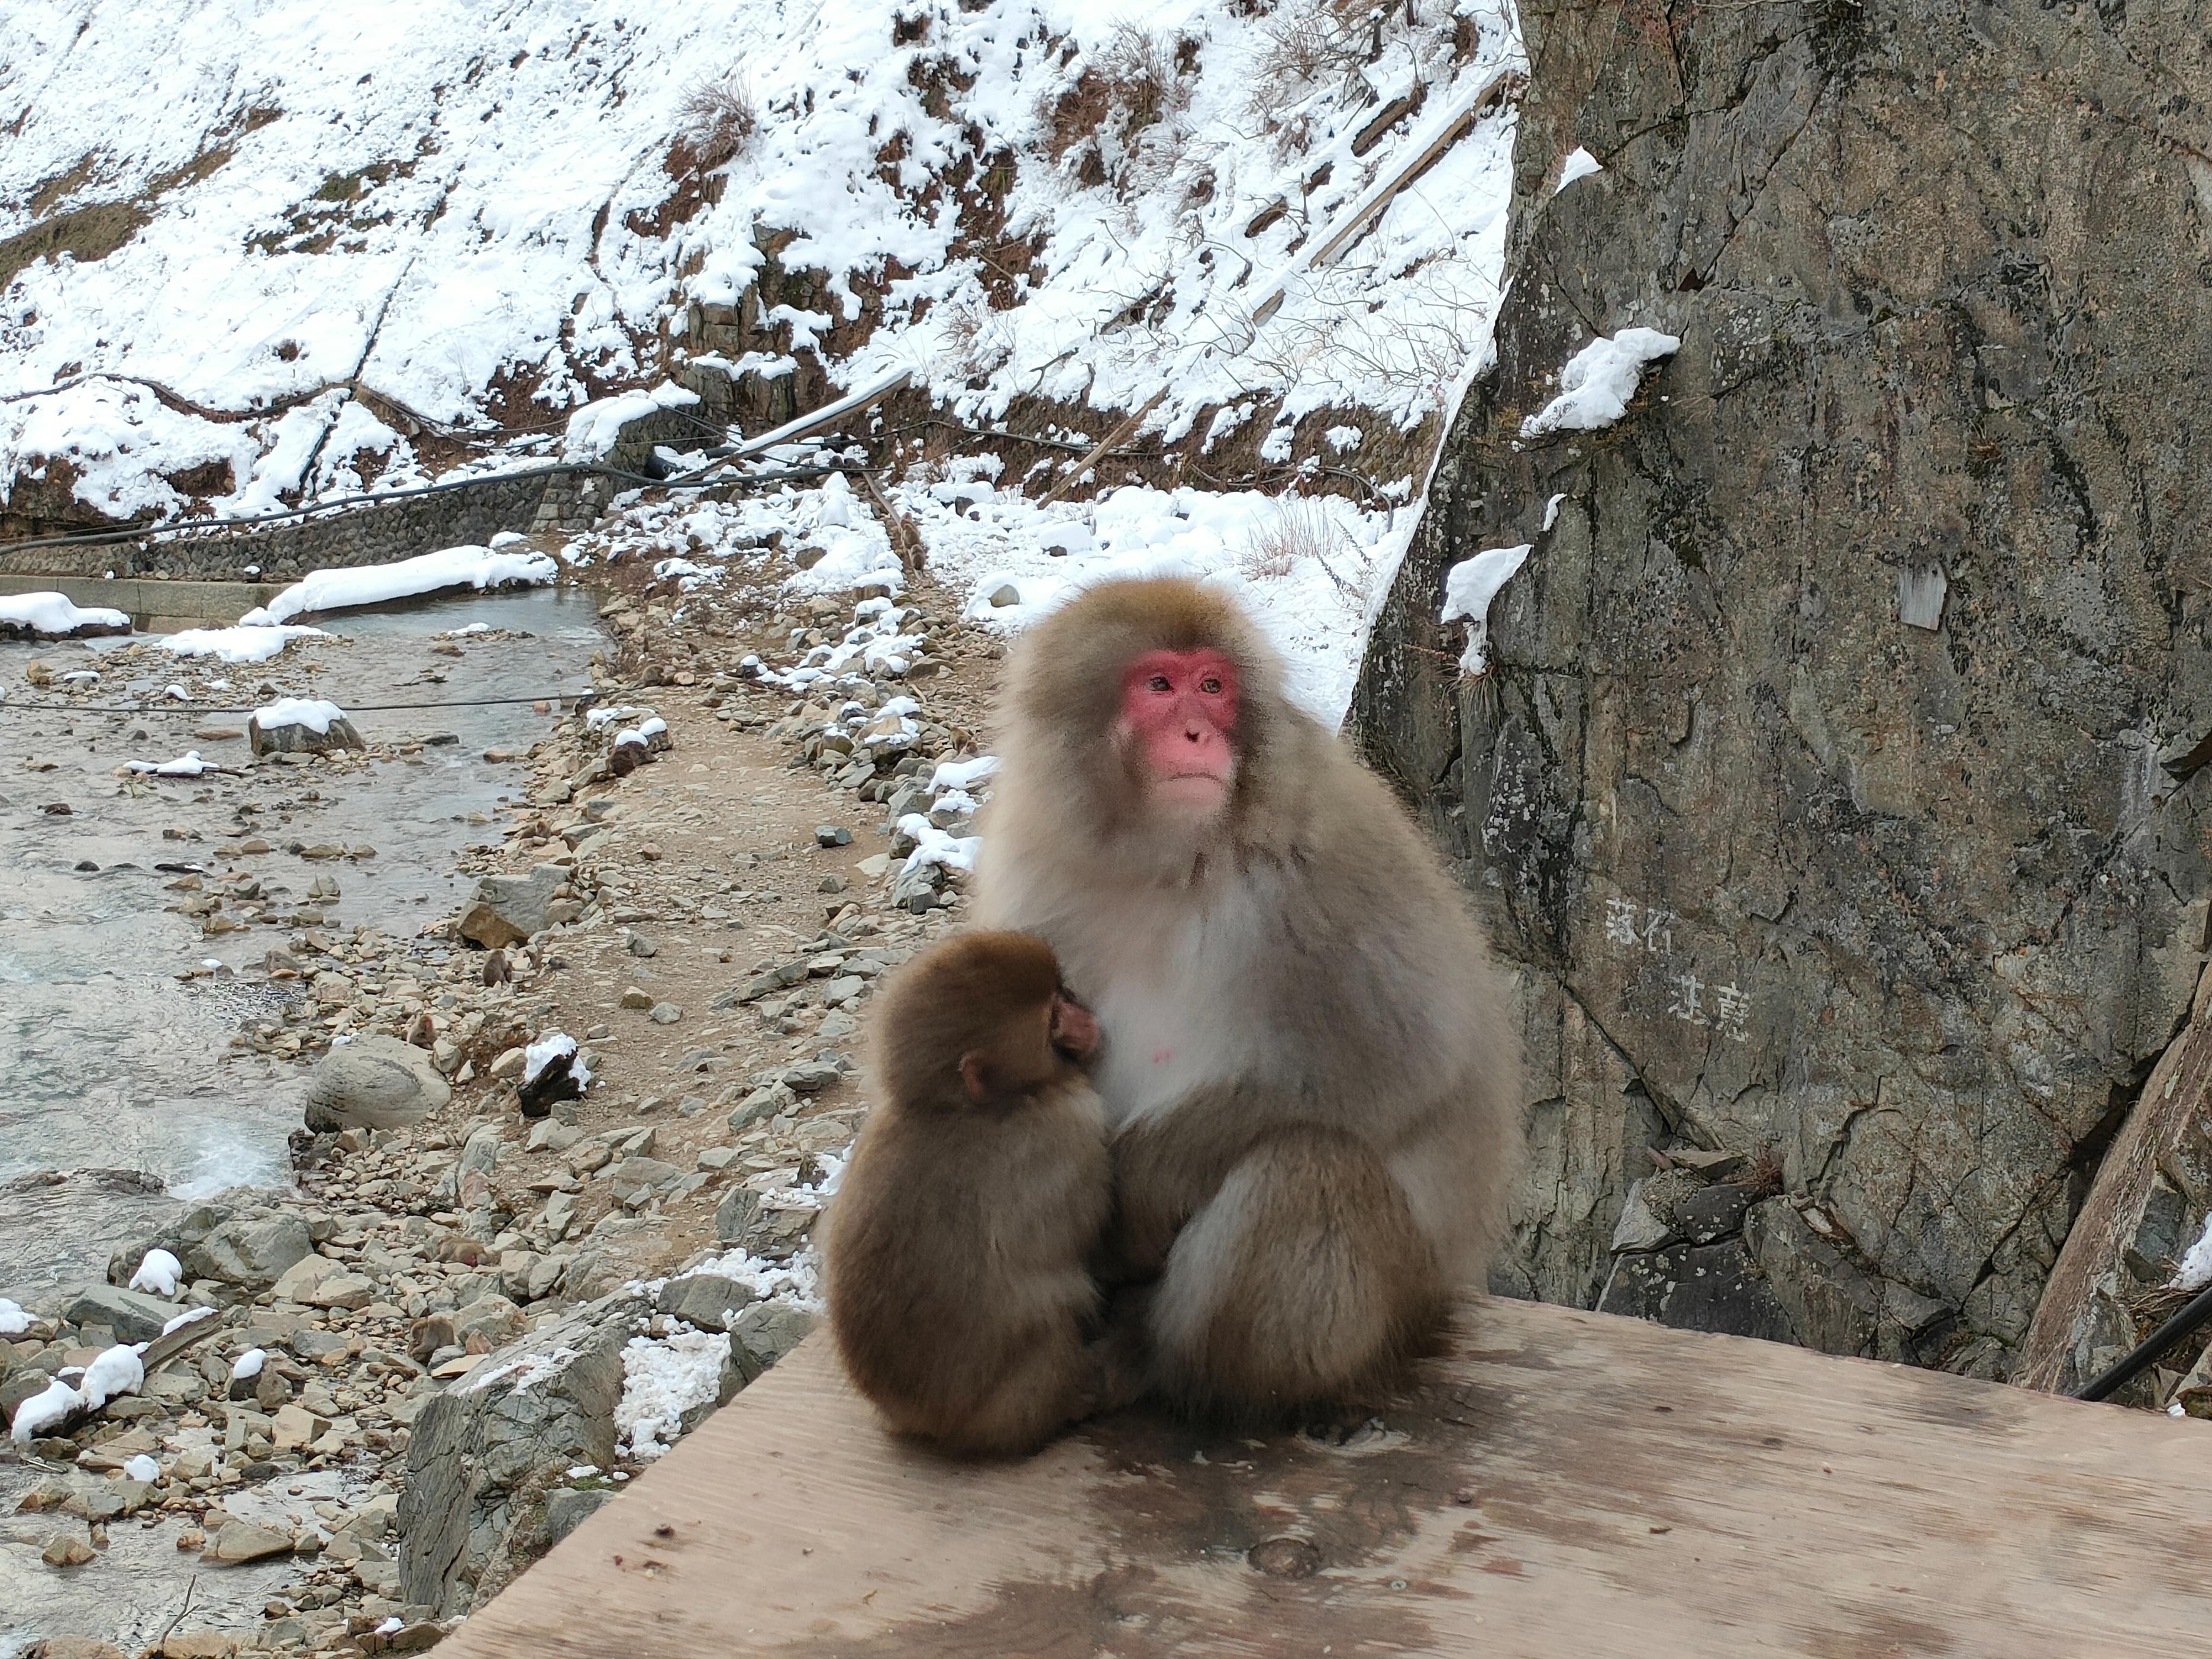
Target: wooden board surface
{"x": 1563, "y": 1485}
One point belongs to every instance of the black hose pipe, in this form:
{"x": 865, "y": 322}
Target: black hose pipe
{"x": 2189, "y": 1319}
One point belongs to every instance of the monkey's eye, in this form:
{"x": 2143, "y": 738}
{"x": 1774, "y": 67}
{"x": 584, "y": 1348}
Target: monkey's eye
{"x": 1211, "y": 685}
{"x": 1158, "y": 682}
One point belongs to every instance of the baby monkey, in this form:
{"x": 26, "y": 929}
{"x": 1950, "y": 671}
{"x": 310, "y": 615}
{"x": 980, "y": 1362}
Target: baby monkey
{"x": 957, "y": 1247}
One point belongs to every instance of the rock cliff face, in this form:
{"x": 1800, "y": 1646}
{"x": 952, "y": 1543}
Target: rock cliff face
{"x": 1833, "y": 780}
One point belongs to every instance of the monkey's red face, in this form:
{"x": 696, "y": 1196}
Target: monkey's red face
{"x": 1179, "y": 724}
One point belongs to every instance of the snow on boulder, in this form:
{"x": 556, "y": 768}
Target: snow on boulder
{"x": 293, "y": 724}
{"x": 114, "y": 1372}
{"x": 14, "y": 1321}
{"x": 49, "y": 1412}
{"x": 1598, "y": 381}
{"x": 159, "y": 1275}
{"x": 553, "y": 1068}
{"x": 480, "y": 567}
{"x": 596, "y": 430}
{"x": 237, "y": 644}
{"x": 1469, "y": 587}
{"x": 34, "y": 615}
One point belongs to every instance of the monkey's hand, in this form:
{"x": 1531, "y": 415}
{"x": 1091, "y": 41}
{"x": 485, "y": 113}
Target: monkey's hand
{"x": 1167, "y": 1165}
{"x": 1119, "y": 1362}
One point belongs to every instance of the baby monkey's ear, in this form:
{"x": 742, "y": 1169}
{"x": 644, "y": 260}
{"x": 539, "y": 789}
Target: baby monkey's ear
{"x": 976, "y": 1075}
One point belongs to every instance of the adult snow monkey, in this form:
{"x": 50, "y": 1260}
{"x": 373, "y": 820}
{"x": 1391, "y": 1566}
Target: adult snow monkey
{"x": 1312, "y": 1086}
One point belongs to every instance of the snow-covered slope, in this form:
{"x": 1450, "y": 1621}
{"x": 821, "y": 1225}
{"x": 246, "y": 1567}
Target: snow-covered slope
{"x": 244, "y": 243}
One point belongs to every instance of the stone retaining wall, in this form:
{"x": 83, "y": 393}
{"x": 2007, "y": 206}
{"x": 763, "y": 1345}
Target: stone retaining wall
{"x": 373, "y": 533}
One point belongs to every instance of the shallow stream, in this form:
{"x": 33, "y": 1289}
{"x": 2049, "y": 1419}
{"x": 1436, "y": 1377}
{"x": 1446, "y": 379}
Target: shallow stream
{"x": 121, "y": 1094}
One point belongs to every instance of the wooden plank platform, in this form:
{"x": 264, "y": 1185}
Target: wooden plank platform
{"x": 1563, "y": 1485}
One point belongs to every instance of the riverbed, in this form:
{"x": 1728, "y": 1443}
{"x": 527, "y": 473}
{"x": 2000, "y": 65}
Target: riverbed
{"x": 122, "y": 1097}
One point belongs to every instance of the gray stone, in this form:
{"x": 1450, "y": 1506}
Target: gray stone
{"x": 1831, "y": 1304}
{"x": 480, "y": 1152}
{"x": 1637, "y": 1228}
{"x": 253, "y": 1253}
{"x": 811, "y": 1077}
{"x": 916, "y": 887}
{"x": 832, "y": 834}
{"x": 706, "y": 1300}
{"x": 241, "y": 1542}
{"x": 544, "y": 1404}
{"x": 1697, "y": 1287}
{"x": 492, "y": 1318}
{"x": 1916, "y": 906}
{"x": 637, "y": 1175}
{"x": 665, "y": 1014}
{"x": 132, "y": 1315}
{"x": 736, "y": 1216}
{"x": 761, "y": 1104}
{"x": 1713, "y": 1212}
{"x": 293, "y": 738}
{"x": 567, "y": 1509}
{"x": 507, "y": 909}
{"x": 374, "y": 1082}
{"x": 763, "y": 1333}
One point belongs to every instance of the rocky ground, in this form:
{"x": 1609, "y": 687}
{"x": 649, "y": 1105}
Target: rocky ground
{"x": 466, "y": 1325}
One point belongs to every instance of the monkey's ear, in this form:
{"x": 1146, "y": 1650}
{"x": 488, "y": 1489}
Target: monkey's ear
{"x": 975, "y": 1075}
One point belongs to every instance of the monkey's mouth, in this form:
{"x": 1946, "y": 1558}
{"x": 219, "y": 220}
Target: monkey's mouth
{"x": 1192, "y": 789}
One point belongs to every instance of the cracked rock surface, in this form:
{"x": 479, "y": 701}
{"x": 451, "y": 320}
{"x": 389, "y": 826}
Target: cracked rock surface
{"x": 1832, "y": 781}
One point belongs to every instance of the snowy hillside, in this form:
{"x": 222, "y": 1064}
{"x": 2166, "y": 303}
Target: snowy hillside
{"x": 214, "y": 231}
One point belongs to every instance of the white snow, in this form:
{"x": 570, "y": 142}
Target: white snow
{"x": 248, "y": 1364}
{"x": 427, "y": 573}
{"x": 663, "y": 1377}
{"x": 14, "y": 1321}
{"x": 186, "y": 765}
{"x": 1304, "y": 567}
{"x": 113, "y": 1371}
{"x": 1598, "y": 381}
{"x": 495, "y": 198}
{"x": 142, "y": 1469}
{"x": 555, "y": 1045}
{"x": 190, "y": 1317}
{"x": 316, "y": 714}
{"x": 158, "y": 1274}
{"x": 594, "y": 429}
{"x": 47, "y": 1409}
{"x": 1580, "y": 165}
{"x": 1469, "y": 587}
{"x": 962, "y": 774}
{"x": 237, "y": 644}
{"x": 938, "y": 847}
{"x": 2194, "y": 1271}
{"x": 1551, "y": 510}
{"x": 51, "y": 613}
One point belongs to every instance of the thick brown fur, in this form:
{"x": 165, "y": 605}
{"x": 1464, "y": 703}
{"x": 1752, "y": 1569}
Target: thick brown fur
{"x": 956, "y": 1248}
{"x": 1313, "y": 1084}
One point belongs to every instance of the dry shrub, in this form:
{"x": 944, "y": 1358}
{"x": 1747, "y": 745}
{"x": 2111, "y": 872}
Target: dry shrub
{"x": 1298, "y": 529}
{"x": 976, "y": 340}
{"x": 1144, "y": 73}
{"x": 1308, "y": 43}
{"x": 718, "y": 118}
